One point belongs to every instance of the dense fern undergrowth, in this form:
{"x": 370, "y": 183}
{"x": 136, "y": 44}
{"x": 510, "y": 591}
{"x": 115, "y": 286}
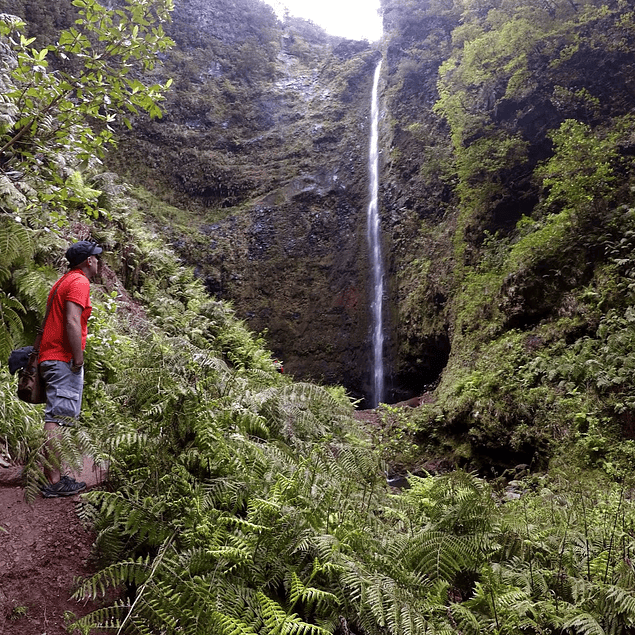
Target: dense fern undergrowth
{"x": 241, "y": 501}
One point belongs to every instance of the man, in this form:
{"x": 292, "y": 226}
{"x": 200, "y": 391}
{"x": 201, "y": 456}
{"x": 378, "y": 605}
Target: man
{"x": 62, "y": 356}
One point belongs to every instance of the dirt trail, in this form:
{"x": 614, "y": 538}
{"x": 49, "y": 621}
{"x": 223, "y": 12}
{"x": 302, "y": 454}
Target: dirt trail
{"x": 43, "y": 549}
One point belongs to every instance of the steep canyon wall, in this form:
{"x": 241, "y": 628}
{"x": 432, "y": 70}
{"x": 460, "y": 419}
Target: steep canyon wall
{"x": 270, "y": 160}
{"x": 270, "y": 154}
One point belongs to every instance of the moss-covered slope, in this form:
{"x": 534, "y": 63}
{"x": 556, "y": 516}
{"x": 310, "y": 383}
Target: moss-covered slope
{"x": 511, "y": 156}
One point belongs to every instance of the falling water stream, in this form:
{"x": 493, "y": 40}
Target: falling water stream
{"x": 374, "y": 248}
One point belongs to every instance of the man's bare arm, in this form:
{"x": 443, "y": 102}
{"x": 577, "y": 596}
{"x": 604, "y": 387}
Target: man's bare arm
{"x": 73, "y": 323}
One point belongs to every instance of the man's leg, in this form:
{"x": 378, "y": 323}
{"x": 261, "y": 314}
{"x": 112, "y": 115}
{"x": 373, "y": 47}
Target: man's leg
{"x": 52, "y": 470}
{"x": 59, "y": 484}
{"x": 63, "y": 402}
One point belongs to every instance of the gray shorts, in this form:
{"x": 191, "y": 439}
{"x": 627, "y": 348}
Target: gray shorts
{"x": 63, "y": 392}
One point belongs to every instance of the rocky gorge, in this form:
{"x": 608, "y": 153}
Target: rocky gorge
{"x": 273, "y": 164}
{"x": 495, "y": 491}
{"x": 264, "y": 144}
{"x": 505, "y": 180}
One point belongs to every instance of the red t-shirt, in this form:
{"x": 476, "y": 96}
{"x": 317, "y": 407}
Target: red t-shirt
{"x": 72, "y": 287}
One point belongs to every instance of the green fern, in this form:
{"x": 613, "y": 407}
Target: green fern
{"x": 310, "y": 597}
{"x": 15, "y": 244}
{"x": 32, "y": 287}
{"x": 20, "y": 423}
{"x": 118, "y": 574}
{"x": 228, "y": 625}
{"x": 11, "y": 200}
{"x": 110, "y": 617}
{"x": 277, "y": 621}
{"x": 10, "y": 323}
{"x": 585, "y": 624}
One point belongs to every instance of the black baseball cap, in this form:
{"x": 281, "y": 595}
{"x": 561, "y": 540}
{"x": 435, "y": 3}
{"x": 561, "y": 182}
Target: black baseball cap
{"x": 79, "y": 251}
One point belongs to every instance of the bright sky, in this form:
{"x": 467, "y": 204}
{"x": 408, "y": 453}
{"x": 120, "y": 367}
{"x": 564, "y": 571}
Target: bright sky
{"x": 354, "y": 19}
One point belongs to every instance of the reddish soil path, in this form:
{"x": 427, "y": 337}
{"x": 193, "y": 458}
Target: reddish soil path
{"x": 43, "y": 549}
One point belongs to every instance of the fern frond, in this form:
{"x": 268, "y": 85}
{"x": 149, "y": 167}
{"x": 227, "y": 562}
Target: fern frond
{"x": 585, "y": 624}
{"x": 623, "y": 601}
{"x": 277, "y": 620}
{"x": 32, "y": 288}
{"x": 227, "y": 625}
{"x": 10, "y": 323}
{"x": 10, "y": 199}
{"x": 513, "y": 598}
{"x": 464, "y": 619}
{"x": 309, "y": 596}
{"x": 226, "y": 492}
{"x": 109, "y": 617}
{"x": 441, "y": 555}
{"x": 65, "y": 450}
{"x": 232, "y": 555}
{"x": 113, "y": 576}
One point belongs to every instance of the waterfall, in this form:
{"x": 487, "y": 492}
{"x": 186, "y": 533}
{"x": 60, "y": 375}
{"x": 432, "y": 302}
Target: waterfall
{"x": 374, "y": 248}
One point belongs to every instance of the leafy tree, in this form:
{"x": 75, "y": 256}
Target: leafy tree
{"x": 72, "y": 110}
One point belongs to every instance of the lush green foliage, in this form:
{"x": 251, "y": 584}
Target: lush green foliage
{"x": 237, "y": 535}
{"x": 530, "y": 277}
{"x": 240, "y": 501}
{"x": 56, "y": 124}
{"x": 527, "y": 393}
{"x": 53, "y": 126}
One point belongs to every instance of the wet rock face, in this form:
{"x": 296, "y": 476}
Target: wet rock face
{"x": 271, "y": 158}
{"x": 202, "y": 24}
{"x": 297, "y": 270}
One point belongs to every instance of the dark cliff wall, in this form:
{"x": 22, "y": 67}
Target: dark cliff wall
{"x": 264, "y": 143}
{"x": 419, "y": 205}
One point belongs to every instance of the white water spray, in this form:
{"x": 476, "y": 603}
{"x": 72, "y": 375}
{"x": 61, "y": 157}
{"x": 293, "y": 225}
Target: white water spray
{"x": 374, "y": 247}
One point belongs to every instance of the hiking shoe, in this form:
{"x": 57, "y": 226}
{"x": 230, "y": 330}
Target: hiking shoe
{"x": 66, "y": 486}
